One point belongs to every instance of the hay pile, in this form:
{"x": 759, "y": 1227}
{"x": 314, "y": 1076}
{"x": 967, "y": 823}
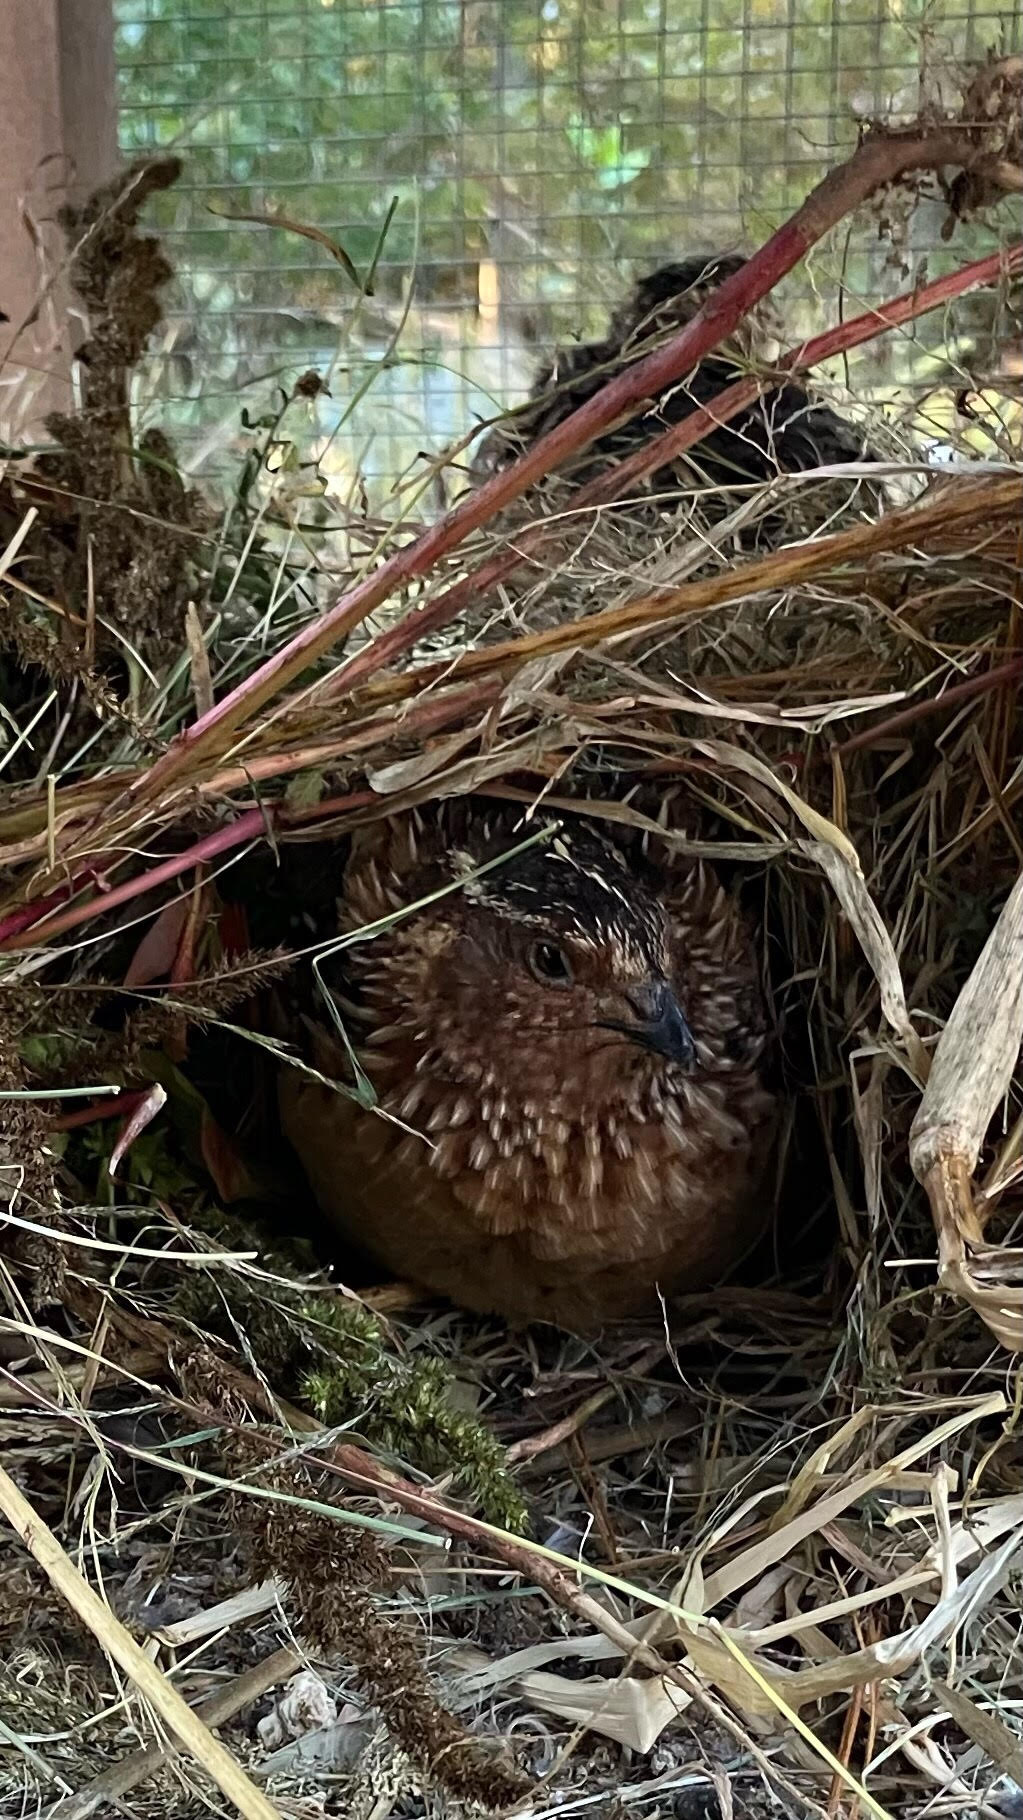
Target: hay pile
{"x": 404, "y": 1563}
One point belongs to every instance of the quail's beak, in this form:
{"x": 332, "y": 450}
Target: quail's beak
{"x": 660, "y": 1025}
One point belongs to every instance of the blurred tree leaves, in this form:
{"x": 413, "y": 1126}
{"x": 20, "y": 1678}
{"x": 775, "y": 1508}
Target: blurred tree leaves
{"x": 561, "y": 142}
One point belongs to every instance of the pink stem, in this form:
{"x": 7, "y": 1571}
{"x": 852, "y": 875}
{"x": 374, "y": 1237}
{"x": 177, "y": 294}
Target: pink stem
{"x": 613, "y": 484}
{"x": 425, "y": 718}
{"x": 812, "y": 353}
{"x": 879, "y": 159}
{"x": 100, "y": 1109}
{"x": 24, "y": 918}
{"x": 252, "y": 823}
{"x": 245, "y": 826}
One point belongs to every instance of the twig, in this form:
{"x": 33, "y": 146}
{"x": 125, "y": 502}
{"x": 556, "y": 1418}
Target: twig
{"x": 533, "y": 1445}
{"x": 970, "y": 505}
{"x": 114, "y": 1783}
{"x": 971, "y": 1072}
{"x": 852, "y": 1720}
{"x": 621, "y": 479}
{"x": 949, "y": 698}
{"x": 570, "y": 1425}
{"x": 882, "y": 158}
{"x": 110, "y": 1633}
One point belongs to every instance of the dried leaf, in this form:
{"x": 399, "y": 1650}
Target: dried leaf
{"x": 754, "y": 1561}
{"x": 332, "y": 1750}
{"x": 303, "y": 1705}
{"x": 240, "y": 1609}
{"x": 482, "y": 1672}
{"x": 462, "y": 778}
{"x": 198, "y": 662}
{"x": 143, "y": 1114}
{"x": 717, "y": 1664}
{"x": 752, "y": 1692}
{"x": 759, "y": 1601}
{"x": 156, "y": 953}
{"x": 806, "y": 1481}
{"x": 304, "y": 791}
{"x": 631, "y": 1711}
{"x": 277, "y": 218}
{"x": 834, "y": 852}
{"x": 733, "y": 757}
{"x": 986, "y": 1729}
{"x": 972, "y": 1069}
{"x": 12, "y": 548}
{"x": 977, "y": 1051}
{"x": 846, "y": 880}
{"x": 533, "y": 679}
{"x": 406, "y": 773}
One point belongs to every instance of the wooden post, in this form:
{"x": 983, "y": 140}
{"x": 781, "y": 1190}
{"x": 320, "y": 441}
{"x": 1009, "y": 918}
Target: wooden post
{"x": 58, "y": 140}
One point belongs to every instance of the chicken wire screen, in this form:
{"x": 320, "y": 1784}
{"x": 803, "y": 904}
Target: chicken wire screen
{"x": 508, "y": 164}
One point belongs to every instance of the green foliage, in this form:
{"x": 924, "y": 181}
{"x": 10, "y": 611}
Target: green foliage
{"x": 559, "y": 141}
{"x": 404, "y": 1406}
{"x": 333, "y": 1354}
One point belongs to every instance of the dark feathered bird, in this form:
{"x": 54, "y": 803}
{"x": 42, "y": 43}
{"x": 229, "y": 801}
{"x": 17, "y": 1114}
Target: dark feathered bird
{"x": 785, "y": 432}
{"x": 568, "y": 1053}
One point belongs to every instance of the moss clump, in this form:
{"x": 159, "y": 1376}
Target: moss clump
{"x": 409, "y": 1411}
{"x": 332, "y": 1354}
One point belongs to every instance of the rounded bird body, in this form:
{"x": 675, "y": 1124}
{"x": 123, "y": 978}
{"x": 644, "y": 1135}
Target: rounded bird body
{"x": 787, "y": 430}
{"x": 567, "y": 1056}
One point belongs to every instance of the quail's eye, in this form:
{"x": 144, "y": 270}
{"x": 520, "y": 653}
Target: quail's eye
{"x": 550, "y": 964}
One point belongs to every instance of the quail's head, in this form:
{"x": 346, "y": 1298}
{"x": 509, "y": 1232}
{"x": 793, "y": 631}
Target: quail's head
{"x": 674, "y": 292}
{"x": 667, "y": 299}
{"x": 553, "y": 972}
{"x": 561, "y": 975}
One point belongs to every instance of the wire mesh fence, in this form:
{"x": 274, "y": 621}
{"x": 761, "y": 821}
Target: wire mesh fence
{"x": 503, "y": 166}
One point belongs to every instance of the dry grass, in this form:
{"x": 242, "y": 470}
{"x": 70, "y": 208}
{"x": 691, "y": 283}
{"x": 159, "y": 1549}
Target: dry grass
{"x": 767, "y": 1554}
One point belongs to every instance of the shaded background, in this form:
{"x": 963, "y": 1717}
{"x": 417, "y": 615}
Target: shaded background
{"x": 539, "y": 151}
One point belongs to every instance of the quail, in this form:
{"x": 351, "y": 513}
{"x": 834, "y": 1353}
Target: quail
{"x": 787, "y": 431}
{"x": 567, "y": 1050}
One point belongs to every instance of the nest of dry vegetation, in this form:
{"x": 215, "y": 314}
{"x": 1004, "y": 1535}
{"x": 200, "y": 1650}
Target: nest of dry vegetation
{"x": 333, "y": 1555}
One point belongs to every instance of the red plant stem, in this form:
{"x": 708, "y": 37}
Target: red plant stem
{"x": 840, "y": 340}
{"x": 664, "y": 448}
{"x": 33, "y": 913}
{"x": 100, "y": 1109}
{"x": 880, "y": 159}
{"x": 918, "y": 710}
{"x": 245, "y": 827}
{"x": 254, "y": 821}
{"x": 331, "y": 806}
{"x": 427, "y": 716}
{"x": 16, "y": 920}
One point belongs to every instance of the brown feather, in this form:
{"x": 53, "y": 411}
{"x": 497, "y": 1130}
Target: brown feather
{"x": 535, "y": 1162}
